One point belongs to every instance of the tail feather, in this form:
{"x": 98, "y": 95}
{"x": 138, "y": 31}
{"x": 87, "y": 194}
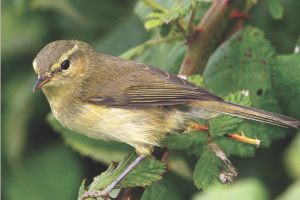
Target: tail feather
{"x": 250, "y": 113}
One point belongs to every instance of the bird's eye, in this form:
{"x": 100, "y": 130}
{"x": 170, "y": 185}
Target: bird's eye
{"x": 65, "y": 64}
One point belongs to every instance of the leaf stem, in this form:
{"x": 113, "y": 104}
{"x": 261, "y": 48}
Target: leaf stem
{"x": 163, "y": 40}
{"x": 154, "y": 6}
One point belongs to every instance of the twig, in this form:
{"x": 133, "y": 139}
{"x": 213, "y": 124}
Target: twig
{"x": 137, "y": 192}
{"x": 205, "y": 36}
{"x": 154, "y": 6}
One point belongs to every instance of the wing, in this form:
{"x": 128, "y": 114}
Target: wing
{"x": 140, "y": 86}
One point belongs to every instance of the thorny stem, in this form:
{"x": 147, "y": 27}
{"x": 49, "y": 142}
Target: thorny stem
{"x": 205, "y": 36}
{"x": 246, "y": 8}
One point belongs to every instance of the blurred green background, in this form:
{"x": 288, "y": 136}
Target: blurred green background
{"x": 36, "y": 164}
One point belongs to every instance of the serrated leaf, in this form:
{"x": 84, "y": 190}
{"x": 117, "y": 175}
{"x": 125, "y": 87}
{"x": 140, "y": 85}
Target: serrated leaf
{"x": 225, "y": 123}
{"x": 154, "y": 15}
{"x": 275, "y": 8}
{"x": 197, "y": 79}
{"x": 207, "y": 169}
{"x": 82, "y": 189}
{"x": 185, "y": 140}
{"x": 153, "y": 23}
{"x": 144, "y": 174}
{"x": 96, "y": 149}
{"x": 248, "y": 62}
{"x": 178, "y": 12}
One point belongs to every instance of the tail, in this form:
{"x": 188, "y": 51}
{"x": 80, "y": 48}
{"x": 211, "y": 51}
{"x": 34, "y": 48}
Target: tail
{"x": 249, "y": 113}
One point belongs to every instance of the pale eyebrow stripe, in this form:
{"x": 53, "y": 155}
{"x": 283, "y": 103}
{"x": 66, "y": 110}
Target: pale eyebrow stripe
{"x": 34, "y": 65}
{"x": 64, "y": 56}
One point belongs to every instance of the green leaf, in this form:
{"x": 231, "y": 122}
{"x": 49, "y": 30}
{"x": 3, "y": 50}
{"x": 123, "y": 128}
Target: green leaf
{"x": 153, "y": 23}
{"x": 142, "y": 10}
{"x": 154, "y": 15}
{"x": 225, "y": 123}
{"x": 233, "y": 147}
{"x": 185, "y": 140}
{"x": 96, "y": 149}
{"x": 207, "y": 169}
{"x": 286, "y": 83}
{"x": 197, "y": 79}
{"x": 292, "y": 192}
{"x": 248, "y": 62}
{"x": 195, "y": 151}
{"x": 275, "y": 8}
{"x": 144, "y": 174}
{"x": 178, "y": 12}
{"x": 246, "y": 189}
{"x": 82, "y": 189}
{"x": 292, "y": 158}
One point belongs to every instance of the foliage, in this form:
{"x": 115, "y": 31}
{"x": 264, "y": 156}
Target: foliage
{"x": 259, "y": 58}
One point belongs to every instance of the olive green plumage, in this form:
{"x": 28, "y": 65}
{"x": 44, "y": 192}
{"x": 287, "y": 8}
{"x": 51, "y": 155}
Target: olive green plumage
{"x": 111, "y": 98}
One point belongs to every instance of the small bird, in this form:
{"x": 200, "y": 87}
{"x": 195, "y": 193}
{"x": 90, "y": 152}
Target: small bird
{"x": 111, "y": 98}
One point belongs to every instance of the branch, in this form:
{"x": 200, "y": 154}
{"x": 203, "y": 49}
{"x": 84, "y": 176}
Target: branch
{"x": 136, "y": 193}
{"x": 205, "y": 36}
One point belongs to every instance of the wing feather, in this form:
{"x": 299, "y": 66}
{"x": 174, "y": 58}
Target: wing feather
{"x": 136, "y": 85}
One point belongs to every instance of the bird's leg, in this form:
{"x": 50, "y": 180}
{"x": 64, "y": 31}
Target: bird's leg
{"x": 106, "y": 191}
{"x": 192, "y": 126}
{"x": 243, "y": 138}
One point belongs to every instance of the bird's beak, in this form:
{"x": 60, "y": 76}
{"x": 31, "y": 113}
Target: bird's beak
{"x": 41, "y": 81}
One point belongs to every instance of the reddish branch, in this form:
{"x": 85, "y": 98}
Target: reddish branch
{"x": 206, "y": 35}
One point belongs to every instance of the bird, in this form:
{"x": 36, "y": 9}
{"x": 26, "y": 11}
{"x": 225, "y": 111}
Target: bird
{"x": 114, "y": 99}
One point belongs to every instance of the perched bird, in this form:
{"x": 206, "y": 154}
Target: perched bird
{"x": 110, "y": 98}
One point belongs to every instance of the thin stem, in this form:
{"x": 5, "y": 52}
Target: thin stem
{"x": 107, "y": 190}
{"x": 163, "y": 40}
{"x": 154, "y": 6}
{"x": 136, "y": 193}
